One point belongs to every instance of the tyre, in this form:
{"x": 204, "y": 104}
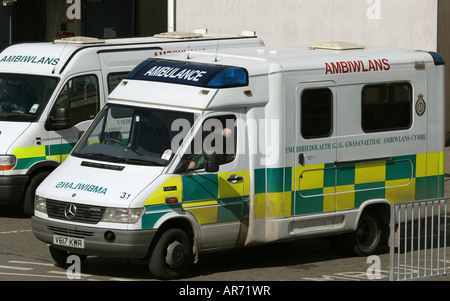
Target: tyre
{"x": 60, "y": 256}
{"x": 28, "y": 201}
{"x": 172, "y": 255}
{"x": 366, "y": 239}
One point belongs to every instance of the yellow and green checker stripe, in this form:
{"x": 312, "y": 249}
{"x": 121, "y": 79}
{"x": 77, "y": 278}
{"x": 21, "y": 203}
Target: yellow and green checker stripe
{"x": 289, "y": 191}
{"x": 328, "y": 187}
{"x": 27, "y": 156}
{"x": 210, "y": 198}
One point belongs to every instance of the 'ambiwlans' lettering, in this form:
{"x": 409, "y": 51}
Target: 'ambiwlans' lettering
{"x": 82, "y": 187}
{"x": 357, "y": 66}
{"x": 30, "y": 59}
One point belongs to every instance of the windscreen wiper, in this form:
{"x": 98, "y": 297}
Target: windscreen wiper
{"x": 105, "y": 157}
{"x": 146, "y": 161}
{"x": 19, "y": 116}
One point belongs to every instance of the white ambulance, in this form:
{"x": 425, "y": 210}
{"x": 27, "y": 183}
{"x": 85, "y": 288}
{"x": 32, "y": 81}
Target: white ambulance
{"x": 247, "y": 146}
{"x": 50, "y": 92}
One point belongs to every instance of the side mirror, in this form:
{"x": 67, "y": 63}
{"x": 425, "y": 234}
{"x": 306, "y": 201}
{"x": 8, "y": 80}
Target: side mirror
{"x": 60, "y": 119}
{"x": 182, "y": 167}
{"x": 80, "y": 134}
{"x": 212, "y": 162}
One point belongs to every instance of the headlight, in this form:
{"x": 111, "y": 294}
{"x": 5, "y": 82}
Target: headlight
{"x": 40, "y": 204}
{"x": 122, "y": 215}
{"x": 7, "y": 162}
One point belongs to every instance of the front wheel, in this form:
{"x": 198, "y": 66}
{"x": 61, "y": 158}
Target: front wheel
{"x": 172, "y": 255}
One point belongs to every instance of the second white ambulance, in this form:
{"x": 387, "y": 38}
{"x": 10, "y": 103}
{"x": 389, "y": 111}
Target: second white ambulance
{"x": 50, "y": 92}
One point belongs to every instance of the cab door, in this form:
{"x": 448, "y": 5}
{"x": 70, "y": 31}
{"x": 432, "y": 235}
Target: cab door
{"x": 217, "y": 199}
{"x": 315, "y": 153}
{"x": 80, "y": 98}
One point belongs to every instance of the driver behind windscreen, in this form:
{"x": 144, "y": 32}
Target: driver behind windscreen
{"x": 198, "y": 160}
{"x": 11, "y": 99}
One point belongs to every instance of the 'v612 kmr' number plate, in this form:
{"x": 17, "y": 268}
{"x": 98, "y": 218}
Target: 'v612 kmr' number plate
{"x": 66, "y": 241}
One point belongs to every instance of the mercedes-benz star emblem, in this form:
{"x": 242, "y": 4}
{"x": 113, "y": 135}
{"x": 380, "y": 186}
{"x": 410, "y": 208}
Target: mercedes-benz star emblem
{"x": 70, "y": 211}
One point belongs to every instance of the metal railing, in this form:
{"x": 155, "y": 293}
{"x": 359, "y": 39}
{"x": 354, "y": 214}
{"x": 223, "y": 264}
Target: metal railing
{"x": 418, "y": 240}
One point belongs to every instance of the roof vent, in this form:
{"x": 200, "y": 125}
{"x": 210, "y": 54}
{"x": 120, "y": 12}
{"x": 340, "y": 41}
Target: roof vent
{"x": 80, "y": 40}
{"x": 178, "y": 35}
{"x": 336, "y": 45}
{"x": 248, "y": 33}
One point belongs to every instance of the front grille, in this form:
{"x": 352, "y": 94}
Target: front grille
{"x": 83, "y": 213}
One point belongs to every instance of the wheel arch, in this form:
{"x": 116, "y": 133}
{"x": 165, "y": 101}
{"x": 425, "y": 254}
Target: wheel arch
{"x": 381, "y": 207}
{"x": 41, "y": 167}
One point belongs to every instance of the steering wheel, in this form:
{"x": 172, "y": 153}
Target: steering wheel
{"x": 113, "y": 140}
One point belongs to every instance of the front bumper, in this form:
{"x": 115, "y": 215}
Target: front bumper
{"x": 127, "y": 244}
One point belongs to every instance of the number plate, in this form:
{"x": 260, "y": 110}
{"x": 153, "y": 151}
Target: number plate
{"x": 66, "y": 241}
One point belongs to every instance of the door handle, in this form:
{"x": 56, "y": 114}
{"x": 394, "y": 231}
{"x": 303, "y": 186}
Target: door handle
{"x": 233, "y": 179}
{"x": 301, "y": 159}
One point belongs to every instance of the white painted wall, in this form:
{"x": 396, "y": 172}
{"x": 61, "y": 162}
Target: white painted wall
{"x": 408, "y": 24}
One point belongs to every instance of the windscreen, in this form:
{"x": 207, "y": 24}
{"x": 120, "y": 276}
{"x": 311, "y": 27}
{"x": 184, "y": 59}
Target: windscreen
{"x": 134, "y": 135}
{"x": 23, "y": 97}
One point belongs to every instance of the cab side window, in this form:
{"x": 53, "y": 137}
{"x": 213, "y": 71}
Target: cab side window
{"x": 114, "y": 79}
{"x": 386, "y": 107}
{"x": 218, "y": 136}
{"x": 82, "y": 97}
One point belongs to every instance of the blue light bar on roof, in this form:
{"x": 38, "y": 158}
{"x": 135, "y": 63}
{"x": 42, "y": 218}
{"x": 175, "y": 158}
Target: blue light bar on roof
{"x": 193, "y": 74}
